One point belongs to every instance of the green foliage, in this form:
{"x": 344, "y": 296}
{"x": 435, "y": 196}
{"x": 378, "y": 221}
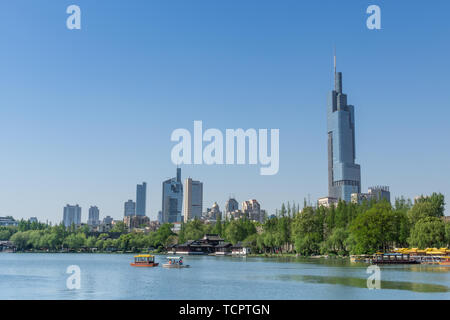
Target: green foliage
{"x": 194, "y": 229}
{"x": 307, "y": 232}
{"x": 120, "y": 226}
{"x": 432, "y": 206}
{"x": 239, "y": 229}
{"x": 428, "y": 232}
{"x": 346, "y": 228}
{"x": 374, "y": 229}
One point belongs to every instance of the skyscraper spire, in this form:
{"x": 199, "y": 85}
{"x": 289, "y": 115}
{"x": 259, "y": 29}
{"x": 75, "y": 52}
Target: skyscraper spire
{"x": 335, "y": 62}
{"x": 337, "y": 76}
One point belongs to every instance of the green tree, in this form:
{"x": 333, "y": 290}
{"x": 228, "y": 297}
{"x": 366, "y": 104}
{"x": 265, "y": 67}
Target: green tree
{"x": 307, "y": 232}
{"x": 428, "y": 232}
{"x": 373, "y": 230}
{"x": 119, "y": 226}
{"x": 431, "y": 206}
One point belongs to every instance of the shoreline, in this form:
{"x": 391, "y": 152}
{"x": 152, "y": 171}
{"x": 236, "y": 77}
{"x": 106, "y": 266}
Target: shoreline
{"x": 252, "y": 255}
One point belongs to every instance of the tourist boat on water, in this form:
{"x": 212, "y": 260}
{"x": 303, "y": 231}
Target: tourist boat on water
{"x": 445, "y": 261}
{"x": 144, "y": 260}
{"x": 175, "y": 262}
{"x": 394, "y": 258}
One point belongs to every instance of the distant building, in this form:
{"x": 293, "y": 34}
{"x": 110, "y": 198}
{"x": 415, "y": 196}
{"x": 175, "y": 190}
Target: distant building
{"x": 134, "y": 222}
{"x": 141, "y": 199}
{"x": 230, "y": 206}
{"x": 72, "y": 215}
{"x": 264, "y": 215}
{"x": 238, "y": 214}
{"x": 94, "y": 216}
{"x": 106, "y": 225}
{"x": 176, "y": 227}
{"x": 213, "y": 213}
{"x": 160, "y": 216}
{"x": 129, "y": 208}
{"x": 33, "y": 219}
{"x": 108, "y": 220}
{"x": 327, "y": 202}
{"x": 8, "y": 222}
{"x": 153, "y": 226}
{"x": 252, "y": 209}
{"x": 377, "y": 193}
{"x": 193, "y": 199}
{"x": 172, "y": 199}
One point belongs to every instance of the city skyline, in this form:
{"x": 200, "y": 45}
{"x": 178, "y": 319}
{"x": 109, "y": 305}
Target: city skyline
{"x": 135, "y": 76}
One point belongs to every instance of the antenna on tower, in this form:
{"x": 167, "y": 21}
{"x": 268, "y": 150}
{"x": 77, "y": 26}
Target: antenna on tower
{"x": 335, "y": 60}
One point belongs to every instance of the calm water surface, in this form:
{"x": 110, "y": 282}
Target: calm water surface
{"x": 109, "y": 276}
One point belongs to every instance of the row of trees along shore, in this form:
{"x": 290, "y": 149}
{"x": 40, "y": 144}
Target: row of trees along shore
{"x": 347, "y": 228}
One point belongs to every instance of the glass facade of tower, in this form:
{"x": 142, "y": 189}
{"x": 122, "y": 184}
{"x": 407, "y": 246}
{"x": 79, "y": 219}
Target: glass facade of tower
{"x": 141, "y": 198}
{"x": 129, "y": 208}
{"x": 172, "y": 199}
{"x": 72, "y": 215}
{"x": 344, "y": 175}
{"x": 94, "y": 216}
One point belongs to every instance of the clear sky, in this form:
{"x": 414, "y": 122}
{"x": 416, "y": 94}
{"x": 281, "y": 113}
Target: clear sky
{"x": 87, "y": 114}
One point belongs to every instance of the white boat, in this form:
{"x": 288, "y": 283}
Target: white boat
{"x": 175, "y": 262}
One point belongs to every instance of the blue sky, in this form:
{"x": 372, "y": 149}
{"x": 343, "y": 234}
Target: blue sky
{"x": 87, "y": 114}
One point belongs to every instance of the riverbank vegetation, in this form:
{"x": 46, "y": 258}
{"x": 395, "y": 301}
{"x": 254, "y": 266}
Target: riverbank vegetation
{"x": 347, "y": 228}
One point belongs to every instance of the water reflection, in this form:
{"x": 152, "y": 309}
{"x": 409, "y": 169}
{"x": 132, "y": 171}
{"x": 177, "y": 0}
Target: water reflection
{"x": 362, "y": 283}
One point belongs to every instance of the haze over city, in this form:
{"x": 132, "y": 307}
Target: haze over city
{"x": 86, "y": 115}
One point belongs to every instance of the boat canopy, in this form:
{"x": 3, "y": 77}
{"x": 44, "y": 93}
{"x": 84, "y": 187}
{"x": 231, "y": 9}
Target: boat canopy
{"x": 144, "y": 256}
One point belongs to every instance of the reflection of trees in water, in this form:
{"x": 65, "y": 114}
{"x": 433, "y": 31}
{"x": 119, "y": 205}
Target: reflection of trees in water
{"x": 362, "y": 283}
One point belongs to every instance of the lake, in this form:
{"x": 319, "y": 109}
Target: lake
{"x": 109, "y": 276}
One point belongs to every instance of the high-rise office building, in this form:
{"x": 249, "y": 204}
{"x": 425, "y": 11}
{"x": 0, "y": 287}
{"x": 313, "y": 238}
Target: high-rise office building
{"x": 141, "y": 198}
{"x": 230, "y": 206}
{"x": 193, "y": 199}
{"x": 344, "y": 175}
{"x": 129, "y": 208}
{"x": 252, "y": 210}
{"x": 72, "y": 215}
{"x": 172, "y": 199}
{"x": 94, "y": 216}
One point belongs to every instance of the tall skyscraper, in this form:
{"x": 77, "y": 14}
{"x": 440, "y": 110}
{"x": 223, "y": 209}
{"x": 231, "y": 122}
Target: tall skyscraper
{"x": 193, "y": 199}
{"x": 141, "y": 198}
{"x": 94, "y": 216}
{"x": 172, "y": 199}
{"x": 129, "y": 208}
{"x": 344, "y": 175}
{"x": 72, "y": 215}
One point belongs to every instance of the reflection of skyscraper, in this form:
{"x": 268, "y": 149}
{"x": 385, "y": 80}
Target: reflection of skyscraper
{"x": 172, "y": 199}
{"x": 193, "y": 199}
{"x": 129, "y": 208}
{"x": 344, "y": 175}
{"x": 94, "y": 216}
{"x": 141, "y": 198}
{"x": 72, "y": 215}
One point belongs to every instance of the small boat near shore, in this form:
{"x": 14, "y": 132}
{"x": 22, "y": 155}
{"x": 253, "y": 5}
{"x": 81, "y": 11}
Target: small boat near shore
{"x": 445, "y": 261}
{"x": 144, "y": 260}
{"x": 175, "y": 262}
